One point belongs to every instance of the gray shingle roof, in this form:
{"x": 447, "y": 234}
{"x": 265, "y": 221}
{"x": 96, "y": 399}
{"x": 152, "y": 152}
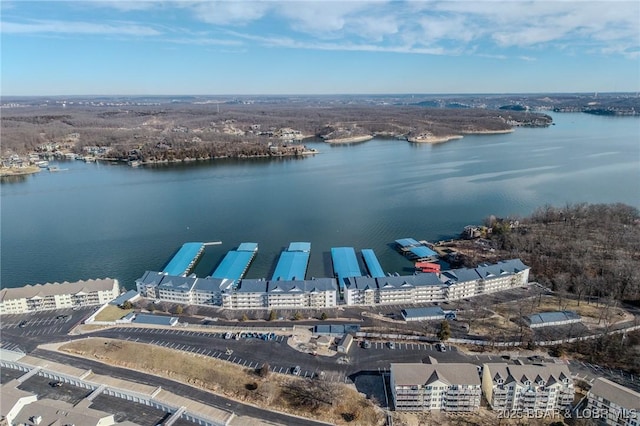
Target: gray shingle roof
{"x": 434, "y": 311}
{"x": 154, "y": 320}
{"x": 618, "y": 394}
{"x": 52, "y": 289}
{"x": 412, "y": 374}
{"x": 552, "y": 317}
{"x": 522, "y": 373}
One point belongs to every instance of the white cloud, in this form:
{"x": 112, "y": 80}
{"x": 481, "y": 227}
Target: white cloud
{"x": 72, "y": 27}
{"x": 489, "y": 28}
{"x": 228, "y": 12}
{"x": 290, "y": 43}
{"x": 322, "y": 18}
{"x": 204, "y": 41}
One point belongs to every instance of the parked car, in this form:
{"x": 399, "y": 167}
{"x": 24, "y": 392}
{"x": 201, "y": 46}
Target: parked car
{"x": 392, "y": 345}
{"x": 441, "y": 347}
{"x": 55, "y": 384}
{"x": 366, "y": 344}
{"x": 296, "y": 370}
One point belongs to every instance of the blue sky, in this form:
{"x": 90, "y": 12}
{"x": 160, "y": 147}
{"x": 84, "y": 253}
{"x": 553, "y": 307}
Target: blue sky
{"x": 309, "y": 47}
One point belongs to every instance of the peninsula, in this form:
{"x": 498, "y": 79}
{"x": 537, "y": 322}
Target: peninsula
{"x": 155, "y": 130}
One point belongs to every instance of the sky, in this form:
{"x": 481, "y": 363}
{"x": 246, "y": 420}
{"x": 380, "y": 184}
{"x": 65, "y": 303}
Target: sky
{"x": 145, "y": 47}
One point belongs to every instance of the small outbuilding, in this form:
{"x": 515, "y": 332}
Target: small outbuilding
{"x": 345, "y": 344}
{"x": 548, "y": 319}
{"x": 423, "y": 314}
{"x": 155, "y": 320}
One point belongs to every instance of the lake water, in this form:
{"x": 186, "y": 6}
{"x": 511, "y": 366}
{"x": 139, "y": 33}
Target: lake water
{"x": 100, "y": 220}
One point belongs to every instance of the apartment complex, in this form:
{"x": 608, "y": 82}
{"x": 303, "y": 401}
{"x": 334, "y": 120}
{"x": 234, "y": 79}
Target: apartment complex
{"x": 249, "y": 294}
{"x": 448, "y": 387}
{"x": 534, "y": 388}
{"x": 613, "y": 404}
{"x": 453, "y": 284}
{"x": 315, "y": 293}
{"x": 325, "y": 292}
{"x": 41, "y": 297}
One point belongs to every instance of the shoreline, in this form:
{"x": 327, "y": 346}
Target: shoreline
{"x": 18, "y": 171}
{"x": 352, "y": 139}
{"x": 489, "y": 132}
{"x": 434, "y": 139}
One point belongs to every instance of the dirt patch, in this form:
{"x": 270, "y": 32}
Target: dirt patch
{"x": 233, "y": 381}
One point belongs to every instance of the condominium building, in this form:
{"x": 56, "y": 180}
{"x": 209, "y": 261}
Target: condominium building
{"x": 436, "y": 287}
{"x": 451, "y": 387}
{"x": 251, "y": 294}
{"x": 613, "y": 404}
{"x": 394, "y": 290}
{"x": 468, "y": 282}
{"x": 237, "y": 293}
{"x": 40, "y": 297}
{"x": 536, "y": 388}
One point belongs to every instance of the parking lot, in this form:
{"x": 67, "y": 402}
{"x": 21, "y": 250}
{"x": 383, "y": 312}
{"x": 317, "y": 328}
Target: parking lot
{"x": 8, "y": 374}
{"x": 242, "y": 351}
{"x": 43, "y": 387}
{"x": 124, "y": 410}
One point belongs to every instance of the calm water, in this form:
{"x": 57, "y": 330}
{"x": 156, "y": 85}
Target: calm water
{"x": 97, "y": 220}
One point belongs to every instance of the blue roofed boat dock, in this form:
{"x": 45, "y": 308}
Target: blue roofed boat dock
{"x": 184, "y": 260}
{"x": 345, "y": 264}
{"x": 372, "y": 264}
{"x": 416, "y": 250}
{"x": 236, "y": 262}
{"x": 293, "y": 262}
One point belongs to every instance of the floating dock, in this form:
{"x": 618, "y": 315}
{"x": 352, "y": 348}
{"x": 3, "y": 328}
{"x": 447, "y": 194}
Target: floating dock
{"x": 236, "y": 262}
{"x": 345, "y": 264}
{"x": 373, "y": 266}
{"x": 428, "y": 267}
{"x": 293, "y": 263}
{"x": 416, "y": 250}
{"x": 184, "y": 260}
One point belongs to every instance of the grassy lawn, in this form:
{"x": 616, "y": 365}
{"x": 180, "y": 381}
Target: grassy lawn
{"x": 112, "y": 313}
{"x": 347, "y": 406}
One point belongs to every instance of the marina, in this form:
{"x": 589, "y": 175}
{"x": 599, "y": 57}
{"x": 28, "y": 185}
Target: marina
{"x": 236, "y": 262}
{"x": 184, "y": 260}
{"x": 293, "y": 262}
{"x": 372, "y": 264}
{"x": 288, "y": 288}
{"x": 416, "y": 250}
{"x": 345, "y": 264}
